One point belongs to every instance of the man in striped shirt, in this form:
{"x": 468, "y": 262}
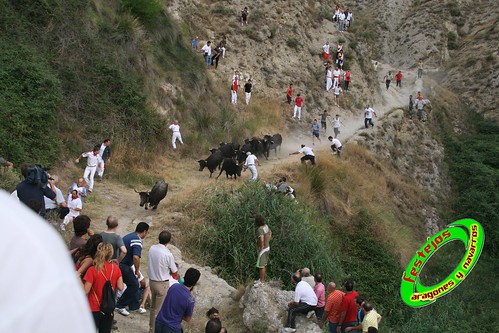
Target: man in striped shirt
{"x": 133, "y": 244}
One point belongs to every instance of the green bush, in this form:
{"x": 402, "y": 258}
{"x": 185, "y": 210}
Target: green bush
{"x": 144, "y": 10}
{"x": 293, "y": 43}
{"x": 452, "y": 40}
{"x": 30, "y": 93}
{"x": 228, "y": 239}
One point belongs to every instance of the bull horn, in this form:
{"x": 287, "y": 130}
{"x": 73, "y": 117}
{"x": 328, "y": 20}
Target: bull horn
{"x": 136, "y": 191}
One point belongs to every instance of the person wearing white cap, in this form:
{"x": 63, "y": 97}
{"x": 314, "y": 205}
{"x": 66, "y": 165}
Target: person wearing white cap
{"x": 175, "y": 128}
{"x": 251, "y": 160}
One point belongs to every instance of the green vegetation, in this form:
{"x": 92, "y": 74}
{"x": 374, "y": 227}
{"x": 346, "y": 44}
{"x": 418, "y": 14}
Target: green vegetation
{"x": 145, "y": 10}
{"x": 293, "y": 43}
{"x": 228, "y": 239}
{"x": 452, "y": 40}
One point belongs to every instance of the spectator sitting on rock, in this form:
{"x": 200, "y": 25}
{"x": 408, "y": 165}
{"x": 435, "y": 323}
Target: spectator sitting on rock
{"x": 80, "y": 187}
{"x": 304, "y": 301}
{"x": 59, "y": 206}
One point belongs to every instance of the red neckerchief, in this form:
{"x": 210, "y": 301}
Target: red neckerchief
{"x": 96, "y": 153}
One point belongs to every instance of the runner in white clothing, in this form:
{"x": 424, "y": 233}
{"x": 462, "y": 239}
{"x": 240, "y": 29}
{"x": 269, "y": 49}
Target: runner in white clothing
{"x": 93, "y": 159}
{"x": 336, "y": 77}
{"x": 308, "y": 154}
{"x": 175, "y": 128}
{"x": 251, "y": 160}
{"x": 368, "y": 114}
{"x": 336, "y": 125}
{"x": 336, "y": 146}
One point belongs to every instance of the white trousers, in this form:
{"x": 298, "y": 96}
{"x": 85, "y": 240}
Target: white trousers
{"x": 336, "y": 81}
{"x": 90, "y": 171}
{"x": 223, "y": 52}
{"x": 329, "y": 83}
{"x": 248, "y": 97}
{"x": 100, "y": 168}
{"x": 233, "y": 99}
{"x": 254, "y": 172}
{"x": 297, "y": 110}
{"x": 175, "y": 136}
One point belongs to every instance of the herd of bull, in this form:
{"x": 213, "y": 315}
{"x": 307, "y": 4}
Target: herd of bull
{"x": 230, "y": 157}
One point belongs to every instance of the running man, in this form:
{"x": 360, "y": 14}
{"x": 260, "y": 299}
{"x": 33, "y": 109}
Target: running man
{"x": 298, "y": 106}
{"x": 308, "y": 154}
{"x": 175, "y": 128}
{"x": 368, "y": 116}
{"x": 336, "y": 125}
{"x": 316, "y": 131}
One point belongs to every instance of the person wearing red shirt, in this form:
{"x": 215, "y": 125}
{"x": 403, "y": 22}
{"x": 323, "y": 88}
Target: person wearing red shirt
{"x": 289, "y": 94}
{"x": 348, "y": 317}
{"x": 346, "y": 78}
{"x": 233, "y": 88}
{"x": 94, "y": 280}
{"x": 398, "y": 77}
{"x": 298, "y": 106}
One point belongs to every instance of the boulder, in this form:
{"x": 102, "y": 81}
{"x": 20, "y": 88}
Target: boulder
{"x": 265, "y": 310}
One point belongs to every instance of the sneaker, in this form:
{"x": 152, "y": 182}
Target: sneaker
{"x": 122, "y": 311}
{"x": 310, "y": 314}
{"x": 258, "y": 283}
{"x": 63, "y": 227}
{"x": 289, "y": 329}
{"x": 139, "y": 310}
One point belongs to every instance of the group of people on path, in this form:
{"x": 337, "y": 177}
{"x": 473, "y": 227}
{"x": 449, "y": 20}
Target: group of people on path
{"x": 108, "y": 257}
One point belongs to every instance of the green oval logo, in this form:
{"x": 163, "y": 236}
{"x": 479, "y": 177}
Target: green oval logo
{"x": 470, "y": 232}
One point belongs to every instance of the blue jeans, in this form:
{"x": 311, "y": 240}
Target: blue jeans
{"x": 208, "y": 60}
{"x": 341, "y": 25}
{"x": 129, "y": 297}
{"x": 349, "y": 324}
{"x": 159, "y": 327}
{"x": 332, "y": 327}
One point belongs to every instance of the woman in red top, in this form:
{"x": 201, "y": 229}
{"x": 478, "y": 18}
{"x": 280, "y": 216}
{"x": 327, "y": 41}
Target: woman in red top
{"x": 94, "y": 281}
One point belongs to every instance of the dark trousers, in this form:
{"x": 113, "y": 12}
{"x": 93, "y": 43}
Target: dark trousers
{"x": 399, "y": 83}
{"x": 387, "y": 82}
{"x": 159, "y": 327}
{"x": 349, "y": 324}
{"x": 368, "y": 121}
{"x": 309, "y": 158}
{"x": 103, "y": 323}
{"x": 319, "y": 312}
{"x": 300, "y": 308}
{"x": 129, "y": 297}
{"x": 323, "y": 124}
{"x": 346, "y": 85}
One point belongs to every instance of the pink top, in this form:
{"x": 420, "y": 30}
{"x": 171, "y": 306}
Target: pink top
{"x": 320, "y": 292}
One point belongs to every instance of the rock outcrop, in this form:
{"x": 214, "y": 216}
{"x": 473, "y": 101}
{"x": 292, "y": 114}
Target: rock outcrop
{"x": 265, "y": 310}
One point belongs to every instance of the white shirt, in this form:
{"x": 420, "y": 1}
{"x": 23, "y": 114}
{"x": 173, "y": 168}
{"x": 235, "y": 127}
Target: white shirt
{"x": 329, "y": 74}
{"x": 337, "y": 90}
{"x": 368, "y": 112}
{"x": 24, "y": 301}
{"x": 326, "y": 48}
{"x": 336, "y": 73}
{"x": 349, "y": 16}
{"x": 307, "y": 151}
{"x": 337, "y": 143}
{"x": 207, "y": 49}
{"x": 304, "y": 293}
{"x": 101, "y": 150}
{"x": 51, "y": 204}
{"x": 250, "y": 160}
{"x": 92, "y": 160}
{"x": 336, "y": 122}
{"x": 341, "y": 16}
{"x": 160, "y": 263}
{"x": 174, "y": 128}
{"x": 74, "y": 203}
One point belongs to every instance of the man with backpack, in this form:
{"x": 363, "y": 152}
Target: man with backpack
{"x": 34, "y": 186}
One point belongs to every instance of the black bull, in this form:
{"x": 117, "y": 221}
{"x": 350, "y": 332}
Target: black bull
{"x": 152, "y": 198}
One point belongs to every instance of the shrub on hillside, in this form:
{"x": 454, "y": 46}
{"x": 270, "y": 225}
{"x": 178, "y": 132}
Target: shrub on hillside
{"x": 30, "y": 94}
{"x": 228, "y": 239}
{"x": 145, "y": 10}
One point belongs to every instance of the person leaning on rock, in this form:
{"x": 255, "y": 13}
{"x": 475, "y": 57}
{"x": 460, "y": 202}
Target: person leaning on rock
{"x": 304, "y": 301}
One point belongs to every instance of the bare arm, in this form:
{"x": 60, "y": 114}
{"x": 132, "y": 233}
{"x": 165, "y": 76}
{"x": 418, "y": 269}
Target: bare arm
{"x": 261, "y": 242}
{"x": 86, "y": 287}
{"x": 85, "y": 264}
{"x": 122, "y": 253}
{"x": 136, "y": 263}
{"x": 119, "y": 284}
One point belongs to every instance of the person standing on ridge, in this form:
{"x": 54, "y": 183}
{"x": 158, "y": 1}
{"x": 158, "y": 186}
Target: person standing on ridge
{"x": 194, "y": 43}
{"x": 388, "y": 79}
{"x": 207, "y": 53}
{"x": 244, "y": 16}
{"x": 175, "y": 128}
{"x": 346, "y": 78}
{"x": 247, "y": 90}
{"x": 326, "y": 49}
{"x": 329, "y": 78}
{"x": 420, "y": 69}
{"x": 264, "y": 235}
{"x": 411, "y": 106}
{"x": 105, "y": 157}
{"x": 289, "y": 94}
{"x": 398, "y": 78}
{"x": 233, "y": 89}
{"x": 298, "y": 106}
